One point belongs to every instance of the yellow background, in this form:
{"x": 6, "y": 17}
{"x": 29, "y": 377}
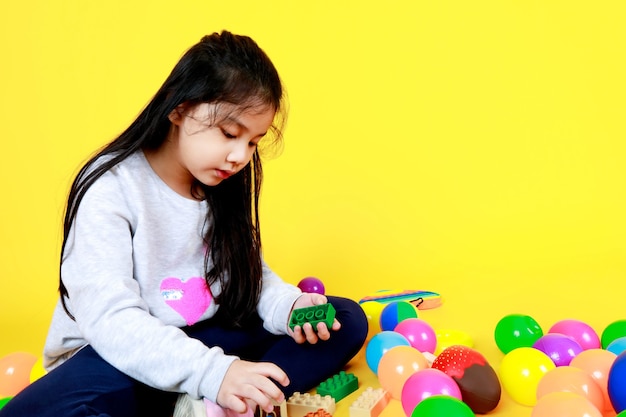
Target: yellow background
{"x": 474, "y": 148}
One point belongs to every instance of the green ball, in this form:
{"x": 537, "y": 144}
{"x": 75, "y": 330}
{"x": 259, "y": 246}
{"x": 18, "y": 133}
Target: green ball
{"x": 613, "y": 331}
{"x": 516, "y": 330}
{"x": 442, "y": 405}
{"x": 4, "y": 402}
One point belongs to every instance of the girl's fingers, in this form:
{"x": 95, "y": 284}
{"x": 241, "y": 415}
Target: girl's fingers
{"x": 298, "y": 335}
{"x": 272, "y": 371}
{"x": 320, "y": 299}
{"x": 252, "y": 383}
{"x": 264, "y": 392}
{"x": 311, "y": 335}
{"x": 322, "y": 331}
{"x": 235, "y": 403}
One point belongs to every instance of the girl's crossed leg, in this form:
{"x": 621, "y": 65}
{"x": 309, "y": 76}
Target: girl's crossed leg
{"x": 88, "y": 386}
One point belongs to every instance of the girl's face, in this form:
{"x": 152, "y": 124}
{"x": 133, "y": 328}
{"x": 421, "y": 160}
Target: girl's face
{"x": 212, "y": 142}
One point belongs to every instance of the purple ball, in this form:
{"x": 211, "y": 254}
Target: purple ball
{"x": 559, "y": 347}
{"x": 311, "y": 284}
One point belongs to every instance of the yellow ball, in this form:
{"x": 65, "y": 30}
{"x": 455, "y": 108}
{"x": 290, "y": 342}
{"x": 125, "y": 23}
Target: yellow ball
{"x": 520, "y": 372}
{"x": 37, "y": 370}
{"x": 450, "y": 337}
{"x": 372, "y": 310}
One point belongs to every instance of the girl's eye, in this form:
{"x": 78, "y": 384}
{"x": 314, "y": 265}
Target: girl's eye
{"x": 253, "y": 144}
{"x": 228, "y": 135}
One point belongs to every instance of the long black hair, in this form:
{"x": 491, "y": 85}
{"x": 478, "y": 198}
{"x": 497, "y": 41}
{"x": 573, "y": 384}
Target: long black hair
{"x": 221, "y": 68}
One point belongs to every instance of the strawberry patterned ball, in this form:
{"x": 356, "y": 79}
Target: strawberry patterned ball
{"x": 477, "y": 381}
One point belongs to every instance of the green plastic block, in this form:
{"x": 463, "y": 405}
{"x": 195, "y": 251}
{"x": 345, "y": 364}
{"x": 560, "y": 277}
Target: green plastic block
{"x": 339, "y": 386}
{"x": 314, "y": 315}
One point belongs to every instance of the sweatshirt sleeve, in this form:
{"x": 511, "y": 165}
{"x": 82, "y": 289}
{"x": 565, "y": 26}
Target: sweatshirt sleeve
{"x": 110, "y": 313}
{"x": 276, "y": 301}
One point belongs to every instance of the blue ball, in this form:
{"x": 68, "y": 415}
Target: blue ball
{"x": 616, "y": 385}
{"x": 379, "y": 344}
{"x": 395, "y": 312}
{"x": 617, "y": 346}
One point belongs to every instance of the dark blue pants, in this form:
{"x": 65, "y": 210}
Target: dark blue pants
{"x": 87, "y": 386}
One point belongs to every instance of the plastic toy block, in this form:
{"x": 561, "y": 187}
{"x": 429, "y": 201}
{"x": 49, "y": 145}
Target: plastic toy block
{"x": 319, "y": 413}
{"x": 300, "y": 404}
{"x": 316, "y": 314}
{"x": 280, "y": 410}
{"x": 370, "y": 403}
{"x": 339, "y": 386}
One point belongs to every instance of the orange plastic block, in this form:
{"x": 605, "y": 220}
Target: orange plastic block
{"x": 370, "y": 403}
{"x": 319, "y": 413}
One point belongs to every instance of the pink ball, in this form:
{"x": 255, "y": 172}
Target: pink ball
{"x": 419, "y": 334}
{"x": 581, "y": 332}
{"x": 559, "y": 347}
{"x": 427, "y": 383}
{"x": 311, "y": 284}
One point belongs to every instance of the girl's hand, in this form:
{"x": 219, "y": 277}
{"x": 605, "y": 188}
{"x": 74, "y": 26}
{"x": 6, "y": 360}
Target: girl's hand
{"x": 306, "y": 333}
{"x": 247, "y": 384}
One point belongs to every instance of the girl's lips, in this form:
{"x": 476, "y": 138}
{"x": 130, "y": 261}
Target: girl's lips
{"x": 223, "y": 174}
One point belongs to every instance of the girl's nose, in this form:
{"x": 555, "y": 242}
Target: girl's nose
{"x": 239, "y": 153}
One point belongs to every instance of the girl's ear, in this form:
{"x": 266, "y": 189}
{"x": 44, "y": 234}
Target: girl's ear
{"x": 176, "y": 115}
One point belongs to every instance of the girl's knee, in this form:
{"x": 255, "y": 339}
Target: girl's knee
{"x": 352, "y": 318}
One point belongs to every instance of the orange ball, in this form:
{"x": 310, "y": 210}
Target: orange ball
{"x": 571, "y": 379}
{"x": 15, "y": 372}
{"x": 397, "y": 365}
{"x": 597, "y": 363}
{"x": 564, "y": 404}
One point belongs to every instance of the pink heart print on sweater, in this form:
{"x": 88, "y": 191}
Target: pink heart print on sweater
{"x": 189, "y": 298}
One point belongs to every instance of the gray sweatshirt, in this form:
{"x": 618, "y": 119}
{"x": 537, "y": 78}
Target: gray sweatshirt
{"x": 133, "y": 267}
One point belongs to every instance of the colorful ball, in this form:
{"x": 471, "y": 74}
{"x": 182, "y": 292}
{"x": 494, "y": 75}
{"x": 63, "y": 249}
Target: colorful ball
{"x": 564, "y": 404}
{"x": 427, "y": 383}
{"x": 442, "y": 405}
{"x": 617, "y": 346}
{"x": 37, "y": 371}
{"x": 570, "y": 379}
{"x": 4, "y": 402}
{"x": 419, "y": 333}
{"x": 395, "y": 312}
{"x": 15, "y": 373}
{"x": 560, "y": 348}
{"x": 372, "y": 310}
{"x": 477, "y": 380}
{"x": 379, "y": 344}
{"x": 597, "y": 363}
{"x": 311, "y": 284}
{"x": 451, "y": 337}
{"x": 520, "y": 372}
{"x": 516, "y": 330}
{"x": 397, "y": 365}
{"x": 613, "y": 331}
{"x": 581, "y": 332}
{"x": 616, "y": 384}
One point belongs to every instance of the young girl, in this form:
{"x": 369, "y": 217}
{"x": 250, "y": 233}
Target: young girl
{"x": 163, "y": 287}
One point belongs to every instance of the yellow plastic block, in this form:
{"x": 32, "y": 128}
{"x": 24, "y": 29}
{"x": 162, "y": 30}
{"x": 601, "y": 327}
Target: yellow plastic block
{"x": 370, "y": 403}
{"x": 301, "y": 404}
